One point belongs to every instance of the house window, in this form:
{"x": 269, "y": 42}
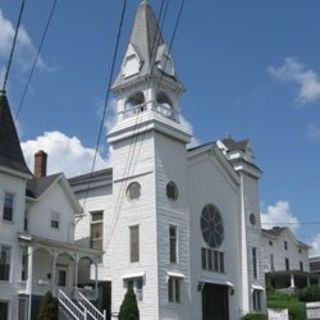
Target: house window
{"x": 96, "y": 230}
{"x": 255, "y": 263}
{"x": 174, "y": 290}
{"x": 270, "y": 243}
{"x": 272, "y": 262}
{"x": 173, "y": 244}
{"x": 134, "y": 244}
{"x": 5, "y": 262}
{"x": 287, "y": 262}
{"x": 137, "y": 285}
{"x": 212, "y": 260}
{"x": 26, "y": 220}
{"x": 256, "y": 299}
{"x": 172, "y": 191}
{"x": 24, "y": 267}
{"x": 286, "y": 245}
{"x": 301, "y": 266}
{"x": 300, "y": 250}
{"x": 62, "y": 277}
{"x": 8, "y": 206}
{"x": 55, "y": 220}
{"x": 4, "y": 310}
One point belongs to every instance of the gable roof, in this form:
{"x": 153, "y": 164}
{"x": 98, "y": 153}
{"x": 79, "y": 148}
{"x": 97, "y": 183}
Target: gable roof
{"x": 146, "y": 39}
{"x": 37, "y": 186}
{"x": 96, "y": 176}
{"x": 11, "y": 156}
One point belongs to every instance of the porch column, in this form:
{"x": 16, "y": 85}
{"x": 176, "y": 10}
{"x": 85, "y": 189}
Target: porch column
{"x": 29, "y": 282}
{"x": 76, "y": 267}
{"x": 54, "y": 271}
{"x": 292, "y": 283}
{"x": 96, "y": 279}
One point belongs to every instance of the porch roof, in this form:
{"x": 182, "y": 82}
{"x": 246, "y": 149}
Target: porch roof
{"x": 28, "y": 238}
{"x": 294, "y": 272}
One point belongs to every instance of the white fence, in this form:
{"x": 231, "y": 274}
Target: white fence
{"x": 313, "y": 310}
{"x": 278, "y": 314}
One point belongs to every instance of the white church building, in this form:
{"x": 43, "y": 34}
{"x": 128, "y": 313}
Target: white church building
{"x": 179, "y": 225}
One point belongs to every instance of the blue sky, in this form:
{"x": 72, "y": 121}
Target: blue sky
{"x": 251, "y": 68}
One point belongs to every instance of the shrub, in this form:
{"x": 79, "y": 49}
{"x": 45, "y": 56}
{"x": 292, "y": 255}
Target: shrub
{"x": 255, "y": 316}
{"x": 310, "y": 294}
{"x": 48, "y": 308}
{"x": 277, "y": 300}
{"x": 129, "y": 307}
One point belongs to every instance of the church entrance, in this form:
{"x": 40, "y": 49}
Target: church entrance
{"x": 215, "y": 302}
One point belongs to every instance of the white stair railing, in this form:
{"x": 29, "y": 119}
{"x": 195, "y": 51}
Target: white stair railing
{"x": 71, "y": 307}
{"x": 90, "y": 307}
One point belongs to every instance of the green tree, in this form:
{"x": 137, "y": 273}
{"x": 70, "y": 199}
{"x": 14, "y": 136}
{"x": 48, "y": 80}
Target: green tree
{"x": 129, "y": 308}
{"x": 48, "y": 308}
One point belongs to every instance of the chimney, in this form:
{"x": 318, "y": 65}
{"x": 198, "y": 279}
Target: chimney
{"x": 40, "y": 164}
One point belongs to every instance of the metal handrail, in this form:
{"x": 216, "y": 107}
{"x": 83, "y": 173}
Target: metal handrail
{"x": 89, "y": 306}
{"x": 71, "y": 307}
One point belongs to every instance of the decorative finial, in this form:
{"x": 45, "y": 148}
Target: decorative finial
{"x": 144, "y": 2}
{"x": 228, "y": 135}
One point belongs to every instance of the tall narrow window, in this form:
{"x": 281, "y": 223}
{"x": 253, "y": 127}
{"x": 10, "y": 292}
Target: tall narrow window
{"x": 96, "y": 230}
{"x": 4, "y": 310}
{"x": 272, "y": 262}
{"x": 204, "y": 258}
{"x": 8, "y": 206}
{"x": 174, "y": 294}
{"x": 286, "y": 245}
{"x": 301, "y": 266}
{"x": 256, "y": 297}
{"x": 255, "y": 263}
{"x": 5, "y": 262}
{"x": 24, "y": 267}
{"x": 173, "y": 244}
{"x": 134, "y": 244}
{"x": 287, "y": 262}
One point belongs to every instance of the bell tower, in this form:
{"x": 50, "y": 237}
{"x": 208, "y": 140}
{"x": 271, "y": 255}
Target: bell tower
{"x": 149, "y": 159}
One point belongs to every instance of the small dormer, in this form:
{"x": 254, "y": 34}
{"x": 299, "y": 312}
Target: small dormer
{"x": 132, "y": 63}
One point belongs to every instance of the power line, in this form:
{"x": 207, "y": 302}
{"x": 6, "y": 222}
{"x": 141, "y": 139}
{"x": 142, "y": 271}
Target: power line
{"x": 5, "y": 80}
{"x": 36, "y": 57}
{"x": 114, "y": 59}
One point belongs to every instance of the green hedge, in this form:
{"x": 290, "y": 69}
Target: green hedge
{"x": 255, "y": 316}
{"x": 310, "y": 294}
{"x": 277, "y": 300}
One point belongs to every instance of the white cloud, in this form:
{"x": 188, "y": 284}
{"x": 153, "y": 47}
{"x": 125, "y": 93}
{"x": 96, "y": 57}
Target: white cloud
{"x": 307, "y": 80}
{"x": 279, "y": 214}
{"x": 313, "y": 132}
{"x": 65, "y": 154}
{"x": 25, "y": 49}
{"x": 315, "y": 244}
{"x": 194, "y": 140}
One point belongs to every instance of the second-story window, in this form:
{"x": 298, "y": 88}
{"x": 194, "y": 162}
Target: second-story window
{"x": 55, "y": 220}
{"x": 212, "y": 260}
{"x": 301, "y": 266}
{"x": 173, "y": 244}
{"x": 5, "y": 262}
{"x": 134, "y": 244}
{"x": 286, "y": 245}
{"x": 287, "y": 263}
{"x": 255, "y": 263}
{"x": 96, "y": 230}
{"x": 8, "y": 206}
{"x": 272, "y": 262}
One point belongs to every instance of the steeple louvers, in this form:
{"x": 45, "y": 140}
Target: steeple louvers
{"x": 146, "y": 48}
{"x": 11, "y": 156}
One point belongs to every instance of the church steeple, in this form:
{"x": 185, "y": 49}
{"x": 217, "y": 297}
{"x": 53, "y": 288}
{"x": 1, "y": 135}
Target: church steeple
{"x": 147, "y": 54}
{"x": 11, "y": 156}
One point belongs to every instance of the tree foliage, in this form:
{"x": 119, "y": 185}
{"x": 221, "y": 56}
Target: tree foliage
{"x": 255, "y": 316}
{"x": 48, "y": 308}
{"x": 129, "y": 308}
{"x": 310, "y": 294}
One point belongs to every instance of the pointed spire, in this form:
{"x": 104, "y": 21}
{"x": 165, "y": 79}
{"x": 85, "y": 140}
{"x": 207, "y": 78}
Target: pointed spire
{"x": 147, "y": 44}
{"x": 11, "y": 156}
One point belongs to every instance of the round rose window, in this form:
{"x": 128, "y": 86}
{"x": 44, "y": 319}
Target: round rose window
{"x": 212, "y": 226}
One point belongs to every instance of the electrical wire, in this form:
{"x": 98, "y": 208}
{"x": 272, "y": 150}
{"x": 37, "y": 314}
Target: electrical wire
{"x": 6, "y": 76}
{"x": 36, "y": 58}
{"x": 111, "y": 74}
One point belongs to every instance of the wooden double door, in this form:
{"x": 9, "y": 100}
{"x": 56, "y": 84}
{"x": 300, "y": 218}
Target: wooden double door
{"x": 215, "y": 302}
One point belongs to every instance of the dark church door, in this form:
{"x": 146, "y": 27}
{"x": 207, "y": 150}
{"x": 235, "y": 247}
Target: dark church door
{"x": 215, "y": 304}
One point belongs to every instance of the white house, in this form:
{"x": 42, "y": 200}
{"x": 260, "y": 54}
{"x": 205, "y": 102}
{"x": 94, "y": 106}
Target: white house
{"x": 181, "y": 226}
{"x": 315, "y": 264}
{"x": 286, "y": 259}
{"x": 37, "y": 214}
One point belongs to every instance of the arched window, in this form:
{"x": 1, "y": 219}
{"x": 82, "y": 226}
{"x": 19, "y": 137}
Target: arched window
{"x": 164, "y": 105}
{"x": 135, "y": 100}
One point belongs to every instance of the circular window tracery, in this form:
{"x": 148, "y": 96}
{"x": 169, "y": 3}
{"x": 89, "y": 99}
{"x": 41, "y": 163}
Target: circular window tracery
{"x": 133, "y": 191}
{"x": 212, "y": 226}
{"x": 172, "y": 191}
